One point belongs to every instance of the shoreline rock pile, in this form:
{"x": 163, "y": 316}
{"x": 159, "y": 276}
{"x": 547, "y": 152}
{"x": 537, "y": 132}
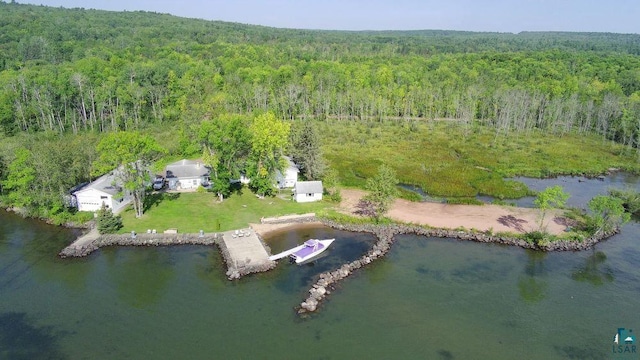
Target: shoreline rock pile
{"x": 139, "y": 240}
{"x": 386, "y": 234}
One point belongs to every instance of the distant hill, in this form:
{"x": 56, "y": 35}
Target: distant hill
{"x": 57, "y": 34}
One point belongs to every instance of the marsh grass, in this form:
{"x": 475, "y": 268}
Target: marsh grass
{"x": 444, "y": 160}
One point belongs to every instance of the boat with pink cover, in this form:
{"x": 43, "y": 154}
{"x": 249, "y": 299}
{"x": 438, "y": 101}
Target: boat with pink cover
{"x": 301, "y": 253}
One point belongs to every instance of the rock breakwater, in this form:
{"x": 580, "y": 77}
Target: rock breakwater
{"x": 327, "y": 281}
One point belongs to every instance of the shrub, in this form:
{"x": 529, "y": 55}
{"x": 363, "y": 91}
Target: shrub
{"x": 107, "y": 222}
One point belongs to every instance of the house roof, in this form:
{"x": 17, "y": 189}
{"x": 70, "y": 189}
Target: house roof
{"x": 105, "y": 183}
{"x": 308, "y": 187}
{"x": 291, "y": 165}
{"x": 187, "y": 169}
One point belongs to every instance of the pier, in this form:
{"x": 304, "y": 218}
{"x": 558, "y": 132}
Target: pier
{"x": 243, "y": 250}
{"x": 244, "y": 253}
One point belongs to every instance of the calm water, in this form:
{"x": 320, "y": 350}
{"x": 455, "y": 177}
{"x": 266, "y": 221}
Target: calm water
{"x": 428, "y": 299}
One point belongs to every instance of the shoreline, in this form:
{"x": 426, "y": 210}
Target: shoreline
{"x": 265, "y": 229}
{"x": 386, "y": 234}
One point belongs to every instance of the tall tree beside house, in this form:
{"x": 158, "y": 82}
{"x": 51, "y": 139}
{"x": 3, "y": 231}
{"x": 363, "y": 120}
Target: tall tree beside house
{"x": 130, "y": 154}
{"x": 269, "y": 138}
{"x": 226, "y": 142}
{"x": 305, "y": 150}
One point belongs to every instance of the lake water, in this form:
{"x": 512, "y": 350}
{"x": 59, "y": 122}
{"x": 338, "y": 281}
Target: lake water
{"x": 428, "y": 299}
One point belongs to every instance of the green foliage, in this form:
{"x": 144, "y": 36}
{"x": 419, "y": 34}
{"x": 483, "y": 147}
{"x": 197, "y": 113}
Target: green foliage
{"x": 107, "y": 222}
{"x": 535, "y": 237}
{"x": 453, "y": 112}
{"x": 330, "y": 182}
{"x": 269, "y": 138}
{"x": 608, "y": 214}
{"x": 20, "y": 179}
{"x": 630, "y": 199}
{"x": 382, "y": 190}
{"x": 129, "y": 154}
{"x": 437, "y": 157}
{"x": 306, "y": 151}
{"x": 549, "y": 198}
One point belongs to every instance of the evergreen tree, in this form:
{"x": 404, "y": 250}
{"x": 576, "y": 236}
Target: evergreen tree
{"x": 305, "y": 150}
{"x": 107, "y": 222}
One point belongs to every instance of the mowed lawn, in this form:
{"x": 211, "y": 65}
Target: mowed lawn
{"x": 195, "y": 211}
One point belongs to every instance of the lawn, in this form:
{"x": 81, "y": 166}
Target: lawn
{"x": 192, "y": 212}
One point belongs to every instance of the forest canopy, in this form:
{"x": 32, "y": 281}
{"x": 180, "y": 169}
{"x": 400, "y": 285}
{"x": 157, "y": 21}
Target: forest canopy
{"x": 77, "y": 73}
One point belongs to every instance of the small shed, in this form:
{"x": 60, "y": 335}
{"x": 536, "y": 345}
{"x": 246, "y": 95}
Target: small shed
{"x": 307, "y": 191}
{"x": 104, "y": 190}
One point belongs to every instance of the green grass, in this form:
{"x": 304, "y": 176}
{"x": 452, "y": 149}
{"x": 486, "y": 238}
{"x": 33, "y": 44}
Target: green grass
{"x": 192, "y": 212}
{"x": 438, "y": 157}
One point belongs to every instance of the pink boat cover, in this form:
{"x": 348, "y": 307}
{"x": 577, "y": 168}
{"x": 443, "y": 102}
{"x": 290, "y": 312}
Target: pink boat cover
{"x": 311, "y": 247}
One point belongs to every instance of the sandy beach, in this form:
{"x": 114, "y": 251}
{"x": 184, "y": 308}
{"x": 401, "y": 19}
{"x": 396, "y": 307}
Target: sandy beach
{"x": 264, "y": 229}
{"x": 482, "y": 218}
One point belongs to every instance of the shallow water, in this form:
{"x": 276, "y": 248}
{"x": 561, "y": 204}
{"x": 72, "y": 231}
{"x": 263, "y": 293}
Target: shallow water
{"x": 428, "y": 299}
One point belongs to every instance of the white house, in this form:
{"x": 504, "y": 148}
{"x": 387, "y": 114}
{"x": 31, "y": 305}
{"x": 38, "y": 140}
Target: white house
{"x": 307, "y": 191}
{"x": 103, "y": 190}
{"x": 187, "y": 174}
{"x": 290, "y": 176}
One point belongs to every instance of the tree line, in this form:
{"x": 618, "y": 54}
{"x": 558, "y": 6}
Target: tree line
{"x": 120, "y": 74}
{"x": 64, "y": 88}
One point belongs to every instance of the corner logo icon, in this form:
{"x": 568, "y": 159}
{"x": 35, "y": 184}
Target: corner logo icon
{"x": 624, "y": 342}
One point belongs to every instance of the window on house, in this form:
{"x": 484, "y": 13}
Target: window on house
{"x": 102, "y": 197}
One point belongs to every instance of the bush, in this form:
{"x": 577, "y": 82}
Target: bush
{"x": 107, "y": 222}
{"x": 534, "y": 237}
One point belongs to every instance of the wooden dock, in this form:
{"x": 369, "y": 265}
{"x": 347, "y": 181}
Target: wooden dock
{"x": 244, "y": 253}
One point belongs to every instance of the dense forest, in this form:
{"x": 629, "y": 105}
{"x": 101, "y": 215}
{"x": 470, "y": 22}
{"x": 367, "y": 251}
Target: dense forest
{"x": 72, "y": 75}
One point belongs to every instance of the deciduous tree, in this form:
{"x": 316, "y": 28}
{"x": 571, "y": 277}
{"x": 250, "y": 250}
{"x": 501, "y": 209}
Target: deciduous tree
{"x": 269, "y": 138}
{"x": 382, "y": 192}
{"x": 129, "y": 155}
{"x": 608, "y": 213}
{"x": 549, "y": 198}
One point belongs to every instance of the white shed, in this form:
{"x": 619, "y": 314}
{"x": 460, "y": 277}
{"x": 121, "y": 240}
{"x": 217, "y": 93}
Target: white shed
{"x": 103, "y": 190}
{"x": 307, "y": 191}
{"x": 290, "y": 176}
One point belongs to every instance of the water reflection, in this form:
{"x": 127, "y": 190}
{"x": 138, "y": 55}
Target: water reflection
{"x": 595, "y": 271}
{"x": 21, "y": 339}
{"x": 532, "y": 284}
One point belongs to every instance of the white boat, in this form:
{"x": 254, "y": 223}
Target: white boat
{"x": 310, "y": 249}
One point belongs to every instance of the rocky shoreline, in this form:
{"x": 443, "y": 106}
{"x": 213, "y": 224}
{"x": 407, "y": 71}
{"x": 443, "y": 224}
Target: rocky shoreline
{"x": 235, "y": 269}
{"x": 327, "y": 281}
